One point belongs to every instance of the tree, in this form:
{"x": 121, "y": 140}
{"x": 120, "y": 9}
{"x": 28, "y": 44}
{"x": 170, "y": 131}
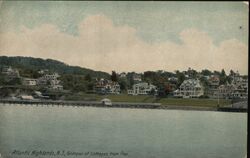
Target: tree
{"x": 223, "y": 77}
{"x": 232, "y": 72}
{"x": 123, "y": 84}
{"x": 90, "y": 86}
{"x": 180, "y": 77}
{"x": 206, "y": 72}
{"x": 114, "y": 76}
{"x": 168, "y": 89}
{"x": 88, "y": 77}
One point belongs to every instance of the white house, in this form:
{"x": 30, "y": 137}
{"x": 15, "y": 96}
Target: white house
{"x": 29, "y": 81}
{"x": 142, "y": 89}
{"x": 190, "y": 88}
{"x": 50, "y": 80}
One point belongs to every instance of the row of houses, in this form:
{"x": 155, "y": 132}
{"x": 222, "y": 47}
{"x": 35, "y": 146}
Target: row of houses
{"x": 238, "y": 88}
{"x": 49, "y": 80}
{"x": 189, "y": 88}
{"x": 104, "y": 86}
{"x": 192, "y": 88}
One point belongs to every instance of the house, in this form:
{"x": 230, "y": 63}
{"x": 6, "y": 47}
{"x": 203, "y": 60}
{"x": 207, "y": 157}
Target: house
{"x": 233, "y": 90}
{"x": 241, "y": 87}
{"x": 142, "y": 89}
{"x": 136, "y": 77}
{"x": 214, "y": 81}
{"x": 26, "y": 97}
{"x": 240, "y": 81}
{"x": 122, "y": 75}
{"x": 173, "y": 79}
{"x": 225, "y": 90}
{"x": 29, "y": 81}
{"x": 213, "y": 85}
{"x": 190, "y": 88}
{"x": 10, "y": 72}
{"x": 44, "y": 71}
{"x": 50, "y": 80}
{"x": 104, "y": 86}
{"x": 56, "y": 87}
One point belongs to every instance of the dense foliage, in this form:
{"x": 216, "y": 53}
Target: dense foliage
{"x": 30, "y": 66}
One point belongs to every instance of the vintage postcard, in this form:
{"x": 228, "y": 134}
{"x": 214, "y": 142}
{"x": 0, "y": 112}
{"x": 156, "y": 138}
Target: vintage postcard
{"x": 123, "y": 79}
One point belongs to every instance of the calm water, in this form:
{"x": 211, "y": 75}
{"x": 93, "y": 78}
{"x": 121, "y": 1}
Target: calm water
{"x": 137, "y": 133}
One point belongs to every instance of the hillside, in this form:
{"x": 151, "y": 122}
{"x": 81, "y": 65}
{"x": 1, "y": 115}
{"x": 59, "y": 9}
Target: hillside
{"x": 36, "y": 64}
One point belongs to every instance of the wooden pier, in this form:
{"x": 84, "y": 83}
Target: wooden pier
{"x": 119, "y": 105}
{"x": 83, "y": 103}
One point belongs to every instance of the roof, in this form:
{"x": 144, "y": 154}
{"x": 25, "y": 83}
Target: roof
{"x": 191, "y": 82}
{"x": 105, "y": 100}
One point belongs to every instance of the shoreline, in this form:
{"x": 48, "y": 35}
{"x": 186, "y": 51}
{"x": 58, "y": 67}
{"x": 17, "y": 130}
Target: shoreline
{"x": 121, "y": 105}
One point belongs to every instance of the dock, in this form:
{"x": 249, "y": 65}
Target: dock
{"x": 237, "y": 107}
{"x": 83, "y": 103}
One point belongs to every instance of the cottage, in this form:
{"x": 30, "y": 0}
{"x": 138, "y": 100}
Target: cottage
{"x": 136, "y": 77}
{"x": 29, "y": 81}
{"x": 142, "y": 89}
{"x": 226, "y": 90}
{"x": 213, "y": 85}
{"x": 10, "y": 73}
{"x": 44, "y": 71}
{"x": 104, "y": 86}
{"x": 214, "y": 81}
{"x": 122, "y": 75}
{"x": 173, "y": 79}
{"x": 237, "y": 89}
{"x": 190, "y": 88}
{"x": 50, "y": 80}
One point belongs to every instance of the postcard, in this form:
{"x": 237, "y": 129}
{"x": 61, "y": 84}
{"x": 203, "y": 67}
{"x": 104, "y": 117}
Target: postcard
{"x": 123, "y": 79}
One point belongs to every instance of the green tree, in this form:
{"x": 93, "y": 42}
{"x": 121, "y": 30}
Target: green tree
{"x": 123, "y": 84}
{"x": 88, "y": 78}
{"x": 206, "y": 72}
{"x": 223, "y": 77}
{"x": 114, "y": 76}
{"x": 180, "y": 77}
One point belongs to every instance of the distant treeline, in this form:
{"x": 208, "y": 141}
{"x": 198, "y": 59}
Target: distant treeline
{"x": 35, "y": 64}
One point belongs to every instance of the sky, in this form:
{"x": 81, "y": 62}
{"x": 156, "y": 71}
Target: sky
{"x": 128, "y": 36}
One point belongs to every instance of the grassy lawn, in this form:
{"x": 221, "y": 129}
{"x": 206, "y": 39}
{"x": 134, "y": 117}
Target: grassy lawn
{"x": 151, "y": 99}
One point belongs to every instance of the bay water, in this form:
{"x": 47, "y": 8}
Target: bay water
{"x": 54, "y": 131}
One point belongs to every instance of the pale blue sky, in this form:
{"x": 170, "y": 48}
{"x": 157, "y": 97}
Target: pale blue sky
{"x": 154, "y": 21}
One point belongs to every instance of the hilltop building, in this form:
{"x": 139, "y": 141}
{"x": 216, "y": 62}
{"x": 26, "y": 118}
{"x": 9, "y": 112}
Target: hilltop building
{"x": 10, "y": 72}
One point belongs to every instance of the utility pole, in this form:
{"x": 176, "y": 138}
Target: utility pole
{"x": 218, "y": 99}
